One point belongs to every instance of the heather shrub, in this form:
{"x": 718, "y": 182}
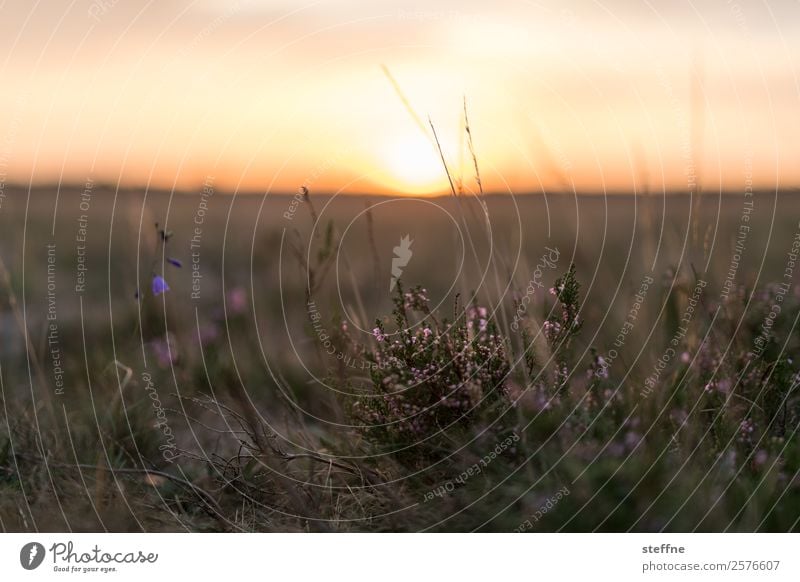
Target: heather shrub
{"x": 550, "y": 371}
{"x": 431, "y": 379}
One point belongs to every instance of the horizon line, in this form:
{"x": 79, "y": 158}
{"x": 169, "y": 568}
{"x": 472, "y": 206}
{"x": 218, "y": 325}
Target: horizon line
{"x": 108, "y": 186}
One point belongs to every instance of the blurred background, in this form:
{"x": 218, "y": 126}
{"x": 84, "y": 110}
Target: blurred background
{"x": 184, "y": 183}
{"x": 571, "y": 94}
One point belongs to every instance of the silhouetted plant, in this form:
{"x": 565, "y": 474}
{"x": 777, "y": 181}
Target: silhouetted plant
{"x": 430, "y": 378}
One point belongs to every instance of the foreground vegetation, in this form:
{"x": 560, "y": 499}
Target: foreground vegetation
{"x": 567, "y": 376}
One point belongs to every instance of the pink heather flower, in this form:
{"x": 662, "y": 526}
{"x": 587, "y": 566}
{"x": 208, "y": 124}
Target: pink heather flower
{"x": 165, "y": 350}
{"x": 602, "y": 367}
{"x": 378, "y": 334}
{"x": 237, "y": 301}
{"x": 552, "y": 328}
{"x": 746, "y": 428}
{"x": 686, "y": 358}
{"x": 427, "y": 332}
{"x": 208, "y": 334}
{"x": 722, "y": 386}
{"x": 632, "y": 439}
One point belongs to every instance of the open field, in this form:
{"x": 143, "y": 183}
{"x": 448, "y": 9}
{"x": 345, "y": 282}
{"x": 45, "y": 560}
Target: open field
{"x": 256, "y": 394}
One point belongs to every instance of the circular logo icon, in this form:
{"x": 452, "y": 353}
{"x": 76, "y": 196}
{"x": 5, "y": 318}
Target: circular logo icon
{"x": 31, "y": 555}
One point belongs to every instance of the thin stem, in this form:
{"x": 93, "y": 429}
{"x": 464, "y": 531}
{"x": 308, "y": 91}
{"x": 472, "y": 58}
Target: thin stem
{"x": 444, "y": 163}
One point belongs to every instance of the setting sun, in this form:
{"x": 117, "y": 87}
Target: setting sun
{"x": 413, "y": 165}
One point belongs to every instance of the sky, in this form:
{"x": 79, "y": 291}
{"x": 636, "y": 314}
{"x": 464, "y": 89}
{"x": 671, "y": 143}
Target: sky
{"x": 271, "y": 95}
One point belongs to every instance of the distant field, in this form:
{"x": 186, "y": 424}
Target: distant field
{"x": 236, "y": 325}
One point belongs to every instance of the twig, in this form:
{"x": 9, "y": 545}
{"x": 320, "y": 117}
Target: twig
{"x": 472, "y": 148}
{"x": 132, "y": 471}
{"x": 307, "y": 200}
{"x": 405, "y": 102}
{"x": 291, "y": 457}
{"x": 376, "y": 263}
{"x": 20, "y": 320}
{"x": 444, "y": 163}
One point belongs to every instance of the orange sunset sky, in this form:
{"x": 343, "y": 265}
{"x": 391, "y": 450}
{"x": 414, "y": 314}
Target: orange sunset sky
{"x": 272, "y": 94}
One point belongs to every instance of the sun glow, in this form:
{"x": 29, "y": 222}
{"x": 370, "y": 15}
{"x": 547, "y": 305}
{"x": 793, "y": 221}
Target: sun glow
{"x": 412, "y": 164}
